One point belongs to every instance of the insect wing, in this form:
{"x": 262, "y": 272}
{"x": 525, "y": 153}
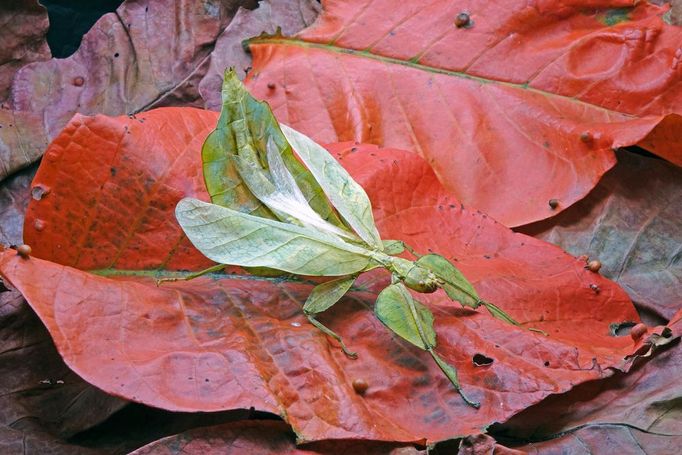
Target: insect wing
{"x": 345, "y": 194}
{"x": 231, "y": 237}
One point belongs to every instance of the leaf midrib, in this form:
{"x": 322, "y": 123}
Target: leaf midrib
{"x": 284, "y": 41}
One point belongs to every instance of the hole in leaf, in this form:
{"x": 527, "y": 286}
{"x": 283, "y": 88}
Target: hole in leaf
{"x": 546, "y": 363}
{"x": 37, "y": 192}
{"x": 620, "y": 329}
{"x": 481, "y": 360}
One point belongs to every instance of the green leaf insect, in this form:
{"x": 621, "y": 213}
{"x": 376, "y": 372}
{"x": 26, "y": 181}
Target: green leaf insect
{"x": 280, "y": 203}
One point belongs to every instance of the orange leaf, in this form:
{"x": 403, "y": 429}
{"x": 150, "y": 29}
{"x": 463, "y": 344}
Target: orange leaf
{"x": 521, "y": 106}
{"x": 106, "y": 193}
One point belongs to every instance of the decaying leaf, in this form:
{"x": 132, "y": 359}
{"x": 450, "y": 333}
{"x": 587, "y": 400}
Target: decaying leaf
{"x": 146, "y": 54}
{"x": 289, "y": 16}
{"x": 150, "y": 51}
{"x": 41, "y": 400}
{"x": 522, "y": 106}
{"x": 605, "y": 438}
{"x": 15, "y": 192}
{"x": 645, "y": 404}
{"x": 23, "y": 26}
{"x": 262, "y": 438}
{"x": 22, "y": 140}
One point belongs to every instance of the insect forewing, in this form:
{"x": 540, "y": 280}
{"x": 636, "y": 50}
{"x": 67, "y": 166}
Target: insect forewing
{"x": 345, "y": 194}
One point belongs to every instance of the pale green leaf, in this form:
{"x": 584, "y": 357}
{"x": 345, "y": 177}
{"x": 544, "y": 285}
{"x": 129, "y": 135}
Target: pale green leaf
{"x": 227, "y": 236}
{"x": 346, "y": 195}
{"x": 456, "y": 286}
{"x": 324, "y": 295}
{"x": 394, "y": 307}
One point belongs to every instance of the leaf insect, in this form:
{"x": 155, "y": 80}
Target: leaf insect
{"x": 303, "y": 214}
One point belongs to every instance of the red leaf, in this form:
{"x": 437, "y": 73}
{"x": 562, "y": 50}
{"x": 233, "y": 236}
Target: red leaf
{"x": 631, "y": 223}
{"x": 109, "y": 187}
{"x": 41, "y": 400}
{"x": 521, "y": 107}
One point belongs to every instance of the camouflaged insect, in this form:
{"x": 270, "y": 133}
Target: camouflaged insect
{"x": 307, "y": 216}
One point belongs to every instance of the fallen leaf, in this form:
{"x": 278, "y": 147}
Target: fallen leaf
{"x": 144, "y": 55}
{"x": 70, "y": 20}
{"x": 15, "y": 441}
{"x": 15, "y": 193}
{"x": 605, "y": 438}
{"x": 521, "y": 106}
{"x": 41, "y": 400}
{"x": 630, "y": 222}
{"x": 22, "y": 140}
{"x": 260, "y": 437}
{"x": 290, "y": 16}
{"x": 23, "y": 26}
{"x": 229, "y": 341}
{"x": 676, "y": 12}
{"x": 646, "y": 402}
{"x": 477, "y": 444}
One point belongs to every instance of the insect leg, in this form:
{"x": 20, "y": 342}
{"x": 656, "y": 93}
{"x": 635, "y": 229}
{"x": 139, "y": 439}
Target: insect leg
{"x": 451, "y": 374}
{"x": 327, "y": 331}
{"x": 192, "y": 276}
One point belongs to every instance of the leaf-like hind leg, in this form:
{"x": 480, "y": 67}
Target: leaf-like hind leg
{"x": 327, "y": 331}
{"x": 451, "y": 374}
{"x": 192, "y": 276}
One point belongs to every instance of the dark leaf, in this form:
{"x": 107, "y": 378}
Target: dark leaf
{"x": 631, "y": 223}
{"x": 523, "y": 106}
